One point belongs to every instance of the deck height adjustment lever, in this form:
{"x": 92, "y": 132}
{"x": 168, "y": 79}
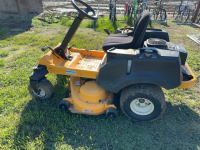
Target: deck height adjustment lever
{"x": 71, "y": 46}
{"x": 46, "y": 47}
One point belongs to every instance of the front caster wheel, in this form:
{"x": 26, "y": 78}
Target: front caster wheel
{"x": 143, "y": 102}
{"x": 45, "y": 89}
{"x": 111, "y": 113}
{"x": 64, "y": 105}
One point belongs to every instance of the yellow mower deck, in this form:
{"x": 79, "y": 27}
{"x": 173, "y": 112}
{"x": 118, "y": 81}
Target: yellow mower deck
{"x": 88, "y": 98}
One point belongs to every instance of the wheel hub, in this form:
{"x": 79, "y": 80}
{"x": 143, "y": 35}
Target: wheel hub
{"x": 142, "y": 106}
{"x": 41, "y": 93}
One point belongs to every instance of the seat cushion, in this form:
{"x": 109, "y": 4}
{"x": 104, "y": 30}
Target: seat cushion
{"x": 129, "y": 40}
{"x": 121, "y": 40}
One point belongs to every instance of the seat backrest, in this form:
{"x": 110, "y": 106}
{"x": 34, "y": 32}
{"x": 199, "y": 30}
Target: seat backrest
{"x": 140, "y": 28}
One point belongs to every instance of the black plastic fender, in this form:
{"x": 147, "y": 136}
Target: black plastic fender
{"x": 162, "y": 71}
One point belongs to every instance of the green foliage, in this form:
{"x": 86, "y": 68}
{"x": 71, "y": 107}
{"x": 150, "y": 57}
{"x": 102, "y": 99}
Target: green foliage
{"x": 104, "y": 23}
{"x": 38, "y": 23}
{"x": 129, "y": 21}
{"x": 4, "y": 54}
{"x": 2, "y": 62}
{"x": 97, "y": 25}
{"x": 3, "y": 33}
{"x": 64, "y": 21}
{"x": 14, "y": 48}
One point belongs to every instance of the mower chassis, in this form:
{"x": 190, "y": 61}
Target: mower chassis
{"x": 85, "y": 63}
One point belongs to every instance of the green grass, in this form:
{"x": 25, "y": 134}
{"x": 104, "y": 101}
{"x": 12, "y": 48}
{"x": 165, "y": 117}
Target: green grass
{"x": 29, "y": 123}
{"x": 2, "y": 63}
{"x": 3, "y": 33}
{"x": 98, "y": 25}
{"x": 4, "y": 54}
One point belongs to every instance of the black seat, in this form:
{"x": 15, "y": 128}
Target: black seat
{"x": 129, "y": 40}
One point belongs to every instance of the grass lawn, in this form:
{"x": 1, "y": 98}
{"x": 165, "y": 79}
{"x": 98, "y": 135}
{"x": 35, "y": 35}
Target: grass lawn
{"x": 29, "y": 123}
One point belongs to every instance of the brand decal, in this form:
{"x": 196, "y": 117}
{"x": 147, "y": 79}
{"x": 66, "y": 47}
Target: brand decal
{"x": 70, "y": 72}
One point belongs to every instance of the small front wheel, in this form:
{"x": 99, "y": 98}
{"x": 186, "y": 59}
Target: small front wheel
{"x": 111, "y": 113}
{"x": 143, "y": 102}
{"x": 64, "y": 105}
{"x": 45, "y": 89}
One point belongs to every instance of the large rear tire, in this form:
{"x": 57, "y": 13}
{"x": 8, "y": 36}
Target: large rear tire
{"x": 143, "y": 102}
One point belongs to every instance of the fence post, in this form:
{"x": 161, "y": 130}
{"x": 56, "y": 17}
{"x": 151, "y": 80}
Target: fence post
{"x": 196, "y": 13}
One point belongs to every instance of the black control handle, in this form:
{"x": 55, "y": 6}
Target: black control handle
{"x": 106, "y": 30}
{"x": 46, "y": 47}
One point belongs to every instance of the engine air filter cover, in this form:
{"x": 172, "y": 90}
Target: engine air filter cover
{"x": 157, "y": 43}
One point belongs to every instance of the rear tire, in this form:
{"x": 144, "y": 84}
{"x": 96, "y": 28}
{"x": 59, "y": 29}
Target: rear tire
{"x": 143, "y": 102}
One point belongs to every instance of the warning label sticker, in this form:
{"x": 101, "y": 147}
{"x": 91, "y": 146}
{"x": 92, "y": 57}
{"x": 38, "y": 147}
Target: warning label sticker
{"x": 77, "y": 83}
{"x": 88, "y": 111}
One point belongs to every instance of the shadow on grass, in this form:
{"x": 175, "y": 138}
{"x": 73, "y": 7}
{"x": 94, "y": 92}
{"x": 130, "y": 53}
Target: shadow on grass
{"x": 13, "y": 26}
{"x": 43, "y": 126}
{"x": 185, "y": 24}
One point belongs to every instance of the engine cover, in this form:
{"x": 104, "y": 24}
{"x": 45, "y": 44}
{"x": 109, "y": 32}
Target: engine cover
{"x": 158, "y": 43}
{"x": 162, "y": 44}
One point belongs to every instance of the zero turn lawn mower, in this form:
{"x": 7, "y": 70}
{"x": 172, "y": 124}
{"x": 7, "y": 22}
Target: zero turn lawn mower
{"x": 135, "y": 65}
